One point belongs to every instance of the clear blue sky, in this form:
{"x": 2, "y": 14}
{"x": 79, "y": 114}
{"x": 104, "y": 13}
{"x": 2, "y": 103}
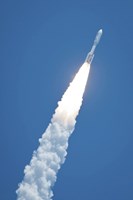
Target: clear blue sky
{"x": 42, "y": 44}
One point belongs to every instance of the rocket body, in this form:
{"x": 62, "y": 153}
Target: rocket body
{"x": 90, "y": 55}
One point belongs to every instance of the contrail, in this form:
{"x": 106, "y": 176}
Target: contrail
{"x": 41, "y": 173}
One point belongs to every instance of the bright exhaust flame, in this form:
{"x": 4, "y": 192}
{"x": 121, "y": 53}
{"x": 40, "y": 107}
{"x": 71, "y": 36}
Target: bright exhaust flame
{"x": 72, "y": 99}
{"x": 41, "y": 173}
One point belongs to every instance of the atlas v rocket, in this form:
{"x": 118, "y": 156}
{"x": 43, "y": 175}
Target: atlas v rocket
{"x": 90, "y": 55}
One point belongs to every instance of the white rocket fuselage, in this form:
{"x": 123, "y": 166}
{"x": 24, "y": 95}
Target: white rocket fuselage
{"x": 90, "y": 55}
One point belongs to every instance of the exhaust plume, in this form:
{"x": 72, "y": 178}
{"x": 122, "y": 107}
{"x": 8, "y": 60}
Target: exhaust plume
{"x": 41, "y": 174}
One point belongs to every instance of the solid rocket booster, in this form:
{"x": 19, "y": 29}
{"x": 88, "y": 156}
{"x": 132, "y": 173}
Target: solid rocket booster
{"x": 90, "y": 55}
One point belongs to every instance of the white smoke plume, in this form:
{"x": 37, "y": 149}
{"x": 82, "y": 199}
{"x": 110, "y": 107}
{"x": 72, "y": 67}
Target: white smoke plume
{"x": 41, "y": 173}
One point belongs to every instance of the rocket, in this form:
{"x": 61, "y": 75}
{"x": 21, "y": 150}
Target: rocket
{"x": 90, "y": 55}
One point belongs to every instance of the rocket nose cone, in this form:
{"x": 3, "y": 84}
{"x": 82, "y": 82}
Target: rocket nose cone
{"x": 100, "y": 31}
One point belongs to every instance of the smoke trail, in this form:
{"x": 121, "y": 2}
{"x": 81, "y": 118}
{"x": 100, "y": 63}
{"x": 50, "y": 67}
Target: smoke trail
{"x": 41, "y": 173}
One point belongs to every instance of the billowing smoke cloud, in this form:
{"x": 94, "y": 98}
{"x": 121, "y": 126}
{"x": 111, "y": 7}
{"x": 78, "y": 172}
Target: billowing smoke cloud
{"x": 41, "y": 173}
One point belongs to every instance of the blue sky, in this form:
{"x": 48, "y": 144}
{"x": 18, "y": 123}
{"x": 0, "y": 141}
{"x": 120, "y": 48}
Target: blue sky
{"x": 42, "y": 45}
